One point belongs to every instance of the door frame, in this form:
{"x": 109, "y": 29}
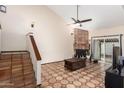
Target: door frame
{"x": 119, "y": 36}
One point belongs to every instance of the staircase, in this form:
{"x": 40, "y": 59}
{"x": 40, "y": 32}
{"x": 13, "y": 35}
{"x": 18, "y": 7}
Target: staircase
{"x": 16, "y": 70}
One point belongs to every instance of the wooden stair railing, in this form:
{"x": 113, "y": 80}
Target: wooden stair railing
{"x": 37, "y": 54}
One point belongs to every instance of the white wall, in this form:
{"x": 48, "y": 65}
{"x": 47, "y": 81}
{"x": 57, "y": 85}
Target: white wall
{"x": 110, "y": 31}
{"x": 53, "y": 37}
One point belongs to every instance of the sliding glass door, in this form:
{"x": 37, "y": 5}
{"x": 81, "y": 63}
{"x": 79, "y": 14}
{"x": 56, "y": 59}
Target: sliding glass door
{"x": 109, "y": 44}
{"x": 102, "y": 52}
{"x": 96, "y": 49}
{"x": 102, "y": 47}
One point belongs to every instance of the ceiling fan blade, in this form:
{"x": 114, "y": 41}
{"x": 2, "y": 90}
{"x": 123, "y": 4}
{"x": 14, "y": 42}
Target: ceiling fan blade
{"x": 74, "y": 20}
{"x": 85, "y": 20}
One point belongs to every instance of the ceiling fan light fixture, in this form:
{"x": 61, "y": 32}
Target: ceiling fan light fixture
{"x": 80, "y": 25}
{"x": 77, "y": 20}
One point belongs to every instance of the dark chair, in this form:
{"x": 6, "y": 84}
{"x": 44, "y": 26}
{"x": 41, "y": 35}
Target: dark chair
{"x": 80, "y": 53}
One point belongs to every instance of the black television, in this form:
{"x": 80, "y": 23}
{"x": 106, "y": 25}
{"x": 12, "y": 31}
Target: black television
{"x": 116, "y": 54}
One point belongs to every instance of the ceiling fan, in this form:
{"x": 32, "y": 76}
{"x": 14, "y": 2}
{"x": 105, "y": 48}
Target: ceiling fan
{"x": 77, "y": 21}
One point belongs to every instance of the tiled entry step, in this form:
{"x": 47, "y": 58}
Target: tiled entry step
{"x": 16, "y": 70}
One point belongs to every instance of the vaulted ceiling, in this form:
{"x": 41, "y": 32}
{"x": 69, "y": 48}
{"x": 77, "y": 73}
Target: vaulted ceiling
{"x": 103, "y": 16}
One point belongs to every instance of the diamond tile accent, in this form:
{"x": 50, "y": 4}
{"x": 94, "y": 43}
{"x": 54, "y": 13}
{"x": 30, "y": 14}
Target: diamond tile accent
{"x": 70, "y": 86}
{"x": 52, "y": 80}
{"x": 64, "y": 81}
{"x": 77, "y": 83}
{"x": 57, "y": 85}
{"x": 59, "y": 78}
{"x": 70, "y": 79}
{"x": 91, "y": 85}
{"x": 82, "y": 80}
{"x": 95, "y": 82}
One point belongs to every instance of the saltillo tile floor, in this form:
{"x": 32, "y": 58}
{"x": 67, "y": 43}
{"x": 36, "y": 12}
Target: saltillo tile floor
{"x": 55, "y": 75}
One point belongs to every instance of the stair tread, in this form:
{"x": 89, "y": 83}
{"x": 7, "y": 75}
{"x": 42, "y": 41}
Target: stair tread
{"x": 17, "y": 68}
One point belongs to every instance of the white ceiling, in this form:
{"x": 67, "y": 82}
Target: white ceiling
{"x": 103, "y": 16}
